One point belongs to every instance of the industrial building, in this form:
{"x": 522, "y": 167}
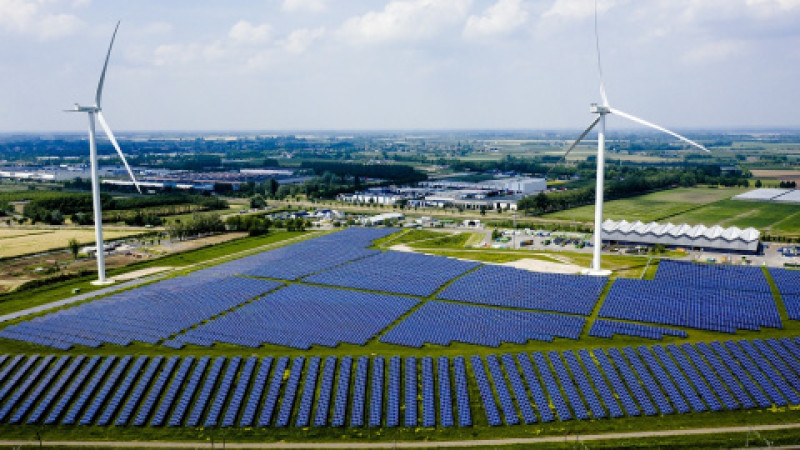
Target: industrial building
{"x": 683, "y": 235}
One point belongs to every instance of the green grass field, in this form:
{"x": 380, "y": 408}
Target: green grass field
{"x": 657, "y": 206}
{"x": 432, "y": 242}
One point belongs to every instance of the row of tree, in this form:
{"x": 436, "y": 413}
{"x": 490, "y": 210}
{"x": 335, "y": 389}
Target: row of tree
{"x": 257, "y": 226}
{"x": 196, "y": 225}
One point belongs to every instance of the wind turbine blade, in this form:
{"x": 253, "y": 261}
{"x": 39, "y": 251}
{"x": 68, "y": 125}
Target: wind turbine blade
{"x": 105, "y": 66}
{"x": 656, "y": 127}
{"x": 574, "y": 144}
{"x": 603, "y": 96}
{"x": 113, "y": 140}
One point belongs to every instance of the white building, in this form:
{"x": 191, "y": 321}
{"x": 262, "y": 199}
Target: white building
{"x": 683, "y": 235}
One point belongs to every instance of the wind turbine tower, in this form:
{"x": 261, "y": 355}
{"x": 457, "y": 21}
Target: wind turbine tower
{"x": 602, "y": 110}
{"x": 92, "y": 112}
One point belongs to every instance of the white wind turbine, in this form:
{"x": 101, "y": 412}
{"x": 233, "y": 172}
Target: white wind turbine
{"x": 602, "y": 111}
{"x": 96, "y": 111}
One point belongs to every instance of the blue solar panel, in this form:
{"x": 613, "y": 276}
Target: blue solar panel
{"x": 462, "y": 392}
{"x": 551, "y": 386}
{"x": 172, "y": 391}
{"x": 138, "y": 390}
{"x": 498, "y": 379}
{"x": 255, "y": 394}
{"x": 100, "y": 398}
{"x": 376, "y": 394}
{"x": 428, "y": 399}
{"x": 222, "y": 392}
{"x": 73, "y": 388}
{"x": 741, "y": 375}
{"x": 325, "y": 391}
{"x": 683, "y": 384}
{"x": 24, "y": 385}
{"x": 445, "y": 394}
{"x": 710, "y": 377}
{"x": 757, "y": 375}
{"x": 342, "y": 387}
{"x": 155, "y": 391}
{"x": 521, "y": 396}
{"x": 301, "y": 316}
{"x": 649, "y": 383}
{"x": 633, "y": 384}
{"x": 411, "y": 392}
{"x": 442, "y": 323}
{"x": 55, "y": 390}
{"x": 616, "y": 383}
{"x": 239, "y": 392}
{"x": 600, "y": 383}
{"x": 88, "y": 391}
{"x": 726, "y": 375}
{"x": 47, "y": 378}
{"x": 359, "y": 393}
{"x": 309, "y": 387}
{"x": 610, "y": 328}
{"x": 776, "y": 377}
{"x": 291, "y": 391}
{"x": 584, "y": 386}
{"x": 542, "y": 404}
{"x": 278, "y": 376}
{"x": 393, "y": 394}
{"x": 516, "y": 288}
{"x": 121, "y": 390}
{"x": 205, "y": 392}
{"x": 148, "y": 314}
{"x": 304, "y": 258}
{"x": 568, "y": 386}
{"x": 489, "y": 404}
{"x": 188, "y": 393}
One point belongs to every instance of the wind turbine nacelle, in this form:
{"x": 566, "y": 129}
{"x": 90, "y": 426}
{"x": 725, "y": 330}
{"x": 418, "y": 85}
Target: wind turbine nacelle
{"x": 594, "y": 108}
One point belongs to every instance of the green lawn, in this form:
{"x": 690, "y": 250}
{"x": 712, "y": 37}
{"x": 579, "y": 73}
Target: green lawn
{"x": 767, "y": 217}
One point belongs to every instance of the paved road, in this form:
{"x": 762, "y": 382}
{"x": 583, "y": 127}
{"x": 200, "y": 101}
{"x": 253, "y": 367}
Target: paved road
{"x": 411, "y": 444}
{"x": 131, "y": 283}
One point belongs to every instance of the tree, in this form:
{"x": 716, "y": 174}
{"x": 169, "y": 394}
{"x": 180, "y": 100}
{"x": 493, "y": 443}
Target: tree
{"x": 74, "y": 247}
{"x": 496, "y": 234}
{"x": 257, "y": 201}
{"x": 758, "y": 183}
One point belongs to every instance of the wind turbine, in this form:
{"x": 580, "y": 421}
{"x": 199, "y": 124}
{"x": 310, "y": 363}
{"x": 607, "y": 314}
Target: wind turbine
{"x": 92, "y": 112}
{"x": 602, "y": 110}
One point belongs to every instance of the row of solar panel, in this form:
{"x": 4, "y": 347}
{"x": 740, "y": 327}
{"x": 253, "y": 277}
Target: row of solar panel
{"x": 519, "y": 388}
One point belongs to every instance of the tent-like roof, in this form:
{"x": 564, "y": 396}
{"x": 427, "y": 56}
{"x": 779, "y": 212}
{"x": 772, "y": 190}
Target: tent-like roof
{"x": 731, "y": 238}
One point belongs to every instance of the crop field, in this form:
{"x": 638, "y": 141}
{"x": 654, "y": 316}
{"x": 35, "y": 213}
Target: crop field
{"x": 15, "y": 242}
{"x": 330, "y": 338}
{"x": 654, "y": 207}
{"x": 767, "y": 217}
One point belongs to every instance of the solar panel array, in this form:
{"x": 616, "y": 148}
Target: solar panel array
{"x": 146, "y": 314}
{"x": 609, "y": 328}
{"x": 401, "y": 272}
{"x": 300, "y": 316}
{"x": 442, "y": 323}
{"x": 717, "y": 298}
{"x": 516, "y": 288}
{"x": 788, "y": 283}
{"x": 303, "y": 258}
{"x": 512, "y": 388}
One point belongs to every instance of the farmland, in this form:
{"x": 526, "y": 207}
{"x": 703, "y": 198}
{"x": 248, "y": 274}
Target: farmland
{"x": 15, "y": 242}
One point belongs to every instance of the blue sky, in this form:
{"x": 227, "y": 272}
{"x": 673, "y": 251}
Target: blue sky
{"x": 399, "y": 64}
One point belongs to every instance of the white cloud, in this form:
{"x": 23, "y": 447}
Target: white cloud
{"x": 576, "y": 10}
{"x": 714, "y": 52}
{"x": 156, "y": 28}
{"x": 247, "y": 33}
{"x": 313, "y": 6}
{"x": 405, "y": 20}
{"x": 501, "y": 18}
{"x": 299, "y": 40}
{"x": 37, "y": 18}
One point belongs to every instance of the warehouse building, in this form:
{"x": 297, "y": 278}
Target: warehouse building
{"x": 683, "y": 235}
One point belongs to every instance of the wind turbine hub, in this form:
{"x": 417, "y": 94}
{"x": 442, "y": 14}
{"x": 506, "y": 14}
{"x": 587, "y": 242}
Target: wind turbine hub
{"x": 594, "y": 108}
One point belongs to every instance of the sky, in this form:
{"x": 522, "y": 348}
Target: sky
{"x": 276, "y": 65}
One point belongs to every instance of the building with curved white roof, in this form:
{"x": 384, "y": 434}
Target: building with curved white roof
{"x": 683, "y": 235}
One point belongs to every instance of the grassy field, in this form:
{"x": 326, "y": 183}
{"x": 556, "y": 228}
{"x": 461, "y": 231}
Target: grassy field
{"x": 657, "y": 206}
{"x": 18, "y": 241}
{"x": 773, "y": 218}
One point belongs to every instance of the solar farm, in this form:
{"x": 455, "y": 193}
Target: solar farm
{"x": 333, "y": 337}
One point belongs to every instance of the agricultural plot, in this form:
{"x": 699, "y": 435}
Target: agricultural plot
{"x": 767, "y": 217}
{"x": 654, "y": 207}
{"x": 15, "y": 242}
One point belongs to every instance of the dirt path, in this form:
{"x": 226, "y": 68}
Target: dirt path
{"x": 408, "y": 444}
